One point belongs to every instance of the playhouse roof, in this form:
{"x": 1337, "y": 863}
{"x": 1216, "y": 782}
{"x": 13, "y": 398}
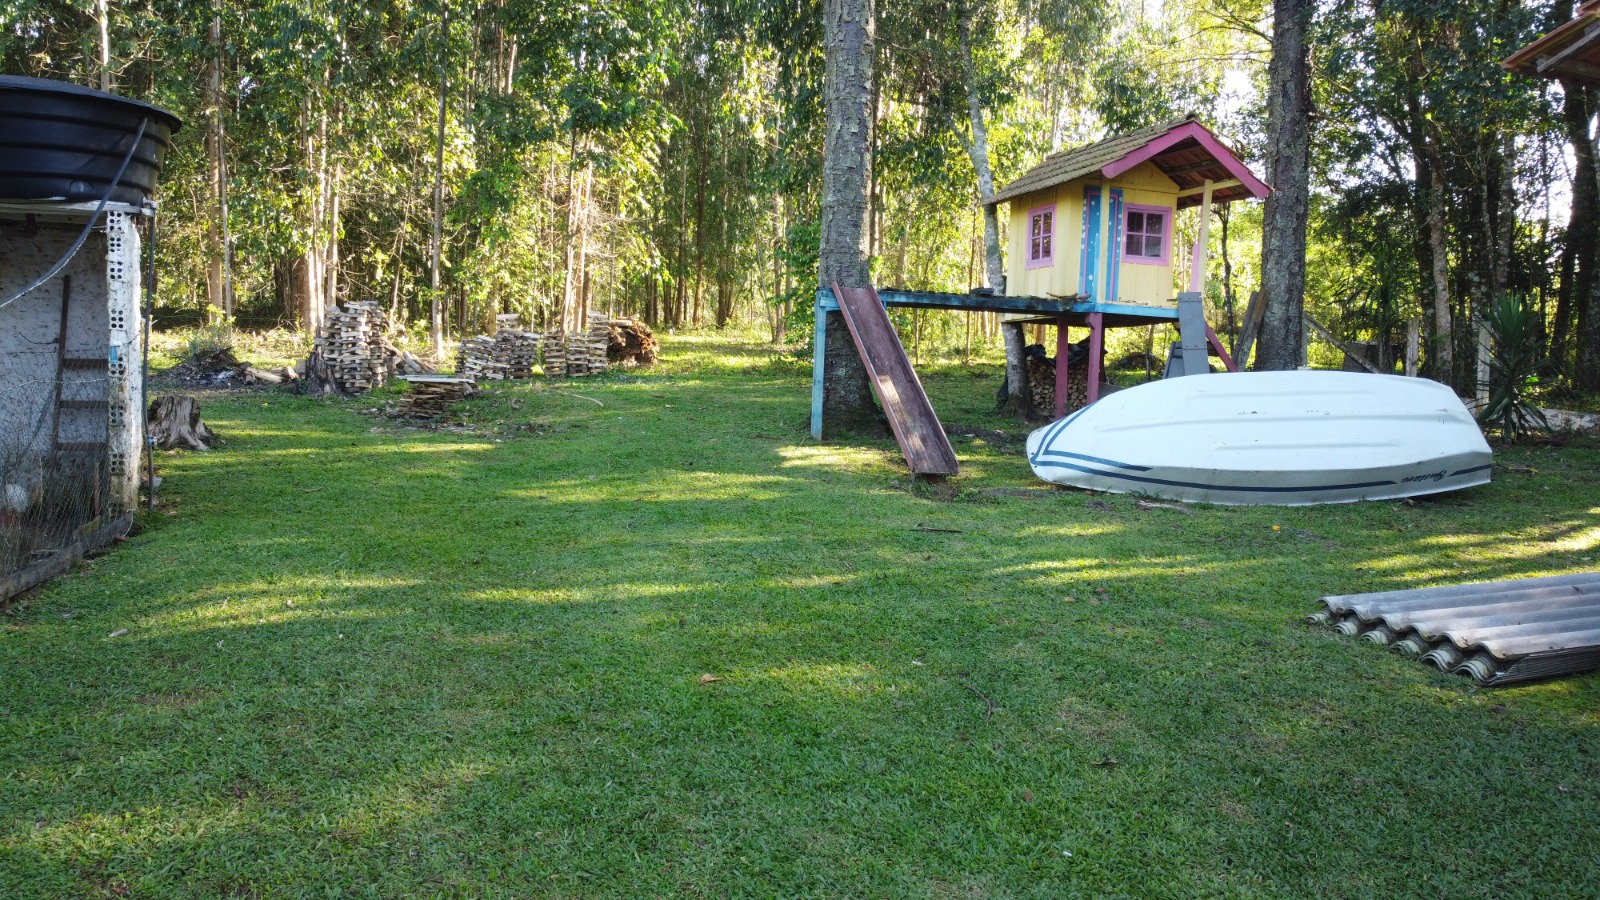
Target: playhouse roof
{"x": 1184, "y": 149}
{"x": 1571, "y": 51}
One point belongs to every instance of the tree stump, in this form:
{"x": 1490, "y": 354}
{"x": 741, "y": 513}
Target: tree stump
{"x": 175, "y": 424}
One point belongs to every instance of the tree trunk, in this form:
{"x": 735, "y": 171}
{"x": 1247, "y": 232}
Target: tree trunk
{"x": 848, "y": 35}
{"x": 1583, "y": 236}
{"x": 102, "y": 17}
{"x": 174, "y": 424}
{"x": 1283, "y": 227}
{"x": 978, "y": 150}
{"x": 1442, "y": 351}
{"x": 436, "y": 302}
{"x": 216, "y": 291}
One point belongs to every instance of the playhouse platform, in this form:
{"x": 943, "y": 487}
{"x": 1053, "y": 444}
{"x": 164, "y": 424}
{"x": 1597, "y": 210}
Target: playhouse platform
{"x": 1063, "y": 312}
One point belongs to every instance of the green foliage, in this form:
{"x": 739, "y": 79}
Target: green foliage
{"x": 1516, "y": 363}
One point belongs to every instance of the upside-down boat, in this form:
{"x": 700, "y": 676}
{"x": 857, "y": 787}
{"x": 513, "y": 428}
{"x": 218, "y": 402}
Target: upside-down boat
{"x": 1268, "y": 438}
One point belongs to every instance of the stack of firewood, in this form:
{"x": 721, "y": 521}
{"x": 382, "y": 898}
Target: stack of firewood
{"x": 1042, "y": 386}
{"x": 352, "y": 345}
{"x": 431, "y": 395}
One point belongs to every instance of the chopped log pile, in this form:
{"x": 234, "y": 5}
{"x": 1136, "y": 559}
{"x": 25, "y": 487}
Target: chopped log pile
{"x": 352, "y": 347}
{"x": 430, "y": 396}
{"x": 174, "y": 423}
{"x": 210, "y": 367}
{"x": 1042, "y": 386}
{"x": 630, "y": 343}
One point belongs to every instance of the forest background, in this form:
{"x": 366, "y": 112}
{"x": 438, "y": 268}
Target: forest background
{"x": 662, "y": 158}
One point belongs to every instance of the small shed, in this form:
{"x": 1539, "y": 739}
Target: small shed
{"x": 1096, "y": 222}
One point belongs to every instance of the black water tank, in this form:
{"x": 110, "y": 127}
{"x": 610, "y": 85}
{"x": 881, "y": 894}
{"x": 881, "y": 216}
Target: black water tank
{"x": 60, "y": 141}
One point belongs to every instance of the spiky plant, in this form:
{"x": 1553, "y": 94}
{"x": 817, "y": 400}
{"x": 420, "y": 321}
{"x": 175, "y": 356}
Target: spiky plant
{"x": 1516, "y": 361}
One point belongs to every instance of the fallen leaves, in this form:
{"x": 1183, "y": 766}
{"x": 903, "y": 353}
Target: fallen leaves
{"x": 709, "y": 678}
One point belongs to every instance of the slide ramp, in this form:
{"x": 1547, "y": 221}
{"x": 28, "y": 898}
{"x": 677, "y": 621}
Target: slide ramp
{"x": 922, "y": 439}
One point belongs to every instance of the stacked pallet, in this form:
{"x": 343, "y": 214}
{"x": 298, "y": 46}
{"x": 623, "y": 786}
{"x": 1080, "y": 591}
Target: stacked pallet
{"x": 517, "y": 351}
{"x": 476, "y": 360}
{"x": 352, "y": 344}
{"x": 431, "y": 395}
{"x": 555, "y": 355}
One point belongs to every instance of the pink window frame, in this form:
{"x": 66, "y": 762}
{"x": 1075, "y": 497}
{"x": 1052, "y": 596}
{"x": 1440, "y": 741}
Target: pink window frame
{"x": 1166, "y": 235}
{"x": 1027, "y": 237}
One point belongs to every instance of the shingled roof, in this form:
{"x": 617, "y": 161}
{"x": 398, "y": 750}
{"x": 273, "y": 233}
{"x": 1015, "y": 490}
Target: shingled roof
{"x": 1184, "y": 149}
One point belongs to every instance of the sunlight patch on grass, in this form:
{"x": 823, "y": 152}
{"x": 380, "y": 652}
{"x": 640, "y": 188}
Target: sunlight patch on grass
{"x": 831, "y": 457}
{"x": 840, "y": 680}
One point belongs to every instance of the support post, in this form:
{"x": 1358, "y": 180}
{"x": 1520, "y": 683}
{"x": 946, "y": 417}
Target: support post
{"x": 1097, "y": 343}
{"x": 1413, "y": 346}
{"x": 1063, "y": 346}
{"x": 1482, "y": 387}
{"x": 1192, "y": 334}
{"x": 1202, "y": 244}
{"x": 819, "y": 357}
{"x": 1216, "y": 342}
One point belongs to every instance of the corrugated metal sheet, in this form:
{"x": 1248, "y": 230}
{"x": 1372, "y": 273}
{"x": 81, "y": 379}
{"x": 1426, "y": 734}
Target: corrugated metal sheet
{"x": 1497, "y": 632}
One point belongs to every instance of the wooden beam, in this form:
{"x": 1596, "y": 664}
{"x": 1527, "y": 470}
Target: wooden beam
{"x": 1348, "y": 353}
{"x": 1186, "y": 169}
{"x": 1209, "y": 186}
{"x": 1202, "y": 244}
{"x": 1253, "y": 313}
{"x": 1584, "y": 42}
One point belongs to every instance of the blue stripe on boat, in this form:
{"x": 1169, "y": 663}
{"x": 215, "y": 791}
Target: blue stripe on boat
{"x": 1216, "y": 487}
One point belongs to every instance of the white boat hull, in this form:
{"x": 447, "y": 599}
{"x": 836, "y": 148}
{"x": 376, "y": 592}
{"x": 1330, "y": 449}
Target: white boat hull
{"x": 1269, "y": 438}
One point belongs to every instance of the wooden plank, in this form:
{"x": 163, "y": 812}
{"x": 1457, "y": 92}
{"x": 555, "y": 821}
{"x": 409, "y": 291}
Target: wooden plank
{"x": 916, "y": 428}
{"x": 1216, "y": 343}
{"x": 1192, "y": 334}
{"x": 1348, "y": 352}
{"x": 58, "y": 563}
{"x": 1063, "y": 348}
{"x": 1254, "y": 311}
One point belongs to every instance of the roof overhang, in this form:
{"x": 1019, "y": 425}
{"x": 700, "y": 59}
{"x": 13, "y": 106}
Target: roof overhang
{"x": 1184, "y": 150}
{"x": 1191, "y": 155}
{"x": 1570, "y": 52}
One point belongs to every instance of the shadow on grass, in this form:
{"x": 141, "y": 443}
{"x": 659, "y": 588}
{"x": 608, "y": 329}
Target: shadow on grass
{"x": 360, "y": 663}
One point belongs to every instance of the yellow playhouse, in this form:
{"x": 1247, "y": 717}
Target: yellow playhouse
{"x": 1096, "y": 223}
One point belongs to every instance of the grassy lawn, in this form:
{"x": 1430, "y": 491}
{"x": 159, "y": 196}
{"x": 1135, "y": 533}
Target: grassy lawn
{"x": 366, "y": 660}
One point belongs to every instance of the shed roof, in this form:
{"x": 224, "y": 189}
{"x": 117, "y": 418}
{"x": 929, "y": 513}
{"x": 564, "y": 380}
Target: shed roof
{"x": 1571, "y": 51}
{"x": 1184, "y": 149}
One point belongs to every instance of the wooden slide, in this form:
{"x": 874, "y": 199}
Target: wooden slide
{"x": 916, "y": 428}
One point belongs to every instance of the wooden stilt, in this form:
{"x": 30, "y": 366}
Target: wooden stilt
{"x": 1097, "y": 343}
{"x": 1227, "y": 360}
{"x": 1063, "y": 344}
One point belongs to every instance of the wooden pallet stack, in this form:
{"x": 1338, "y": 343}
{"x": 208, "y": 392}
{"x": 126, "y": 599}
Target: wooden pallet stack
{"x": 475, "y": 359}
{"x": 555, "y": 355}
{"x": 596, "y": 342}
{"x": 517, "y": 350}
{"x": 351, "y": 341}
{"x": 431, "y": 395}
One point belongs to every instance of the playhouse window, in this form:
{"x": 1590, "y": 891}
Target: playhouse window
{"x": 1147, "y": 234}
{"x": 1041, "y": 236}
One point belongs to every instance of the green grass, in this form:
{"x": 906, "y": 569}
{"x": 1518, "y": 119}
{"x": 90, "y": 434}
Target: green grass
{"x": 367, "y": 660}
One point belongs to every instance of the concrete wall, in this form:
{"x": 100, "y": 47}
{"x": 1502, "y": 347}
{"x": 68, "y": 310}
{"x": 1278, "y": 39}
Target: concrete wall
{"x": 29, "y": 332}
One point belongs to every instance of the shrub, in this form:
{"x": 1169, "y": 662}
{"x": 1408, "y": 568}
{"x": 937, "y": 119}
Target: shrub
{"x": 1516, "y": 361}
